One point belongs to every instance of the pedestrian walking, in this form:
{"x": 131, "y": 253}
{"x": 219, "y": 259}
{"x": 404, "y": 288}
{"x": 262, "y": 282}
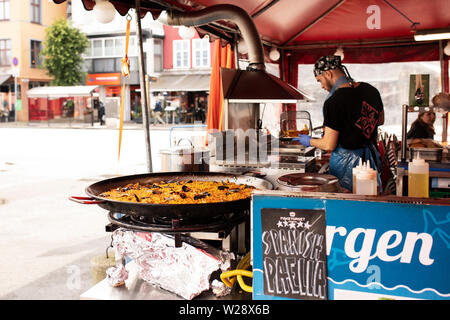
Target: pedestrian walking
{"x": 158, "y": 112}
{"x": 101, "y": 113}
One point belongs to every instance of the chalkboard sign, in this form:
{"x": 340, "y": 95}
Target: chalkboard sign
{"x": 294, "y": 253}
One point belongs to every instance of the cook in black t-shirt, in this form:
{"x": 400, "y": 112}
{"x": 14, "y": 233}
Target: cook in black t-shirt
{"x": 352, "y": 114}
{"x": 354, "y": 111}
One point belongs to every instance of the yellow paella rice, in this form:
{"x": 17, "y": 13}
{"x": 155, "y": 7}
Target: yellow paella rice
{"x": 180, "y": 192}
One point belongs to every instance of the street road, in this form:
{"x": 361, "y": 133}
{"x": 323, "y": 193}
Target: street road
{"x": 47, "y": 241}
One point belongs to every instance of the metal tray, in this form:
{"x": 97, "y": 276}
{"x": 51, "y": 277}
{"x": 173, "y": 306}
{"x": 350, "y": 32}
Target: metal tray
{"x": 428, "y": 154}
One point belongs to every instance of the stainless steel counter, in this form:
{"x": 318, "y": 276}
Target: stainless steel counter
{"x": 137, "y": 289}
{"x": 271, "y": 173}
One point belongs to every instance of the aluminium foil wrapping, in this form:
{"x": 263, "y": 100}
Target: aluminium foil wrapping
{"x": 184, "y": 271}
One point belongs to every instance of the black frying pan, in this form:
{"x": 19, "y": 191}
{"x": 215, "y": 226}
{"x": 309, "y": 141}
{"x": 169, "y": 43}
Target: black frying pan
{"x": 187, "y": 211}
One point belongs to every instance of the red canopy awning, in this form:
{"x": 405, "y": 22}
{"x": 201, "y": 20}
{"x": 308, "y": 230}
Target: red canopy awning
{"x": 381, "y": 30}
{"x": 294, "y": 22}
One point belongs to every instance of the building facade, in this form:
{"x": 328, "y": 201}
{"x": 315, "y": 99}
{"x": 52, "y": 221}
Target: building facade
{"x": 183, "y": 84}
{"x": 178, "y": 67}
{"x": 22, "y": 34}
{"x": 106, "y": 50}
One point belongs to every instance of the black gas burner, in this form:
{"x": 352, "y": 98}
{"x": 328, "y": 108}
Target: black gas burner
{"x": 222, "y": 224}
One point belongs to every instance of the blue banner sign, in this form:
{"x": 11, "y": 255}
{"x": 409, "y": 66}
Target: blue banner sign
{"x": 374, "y": 250}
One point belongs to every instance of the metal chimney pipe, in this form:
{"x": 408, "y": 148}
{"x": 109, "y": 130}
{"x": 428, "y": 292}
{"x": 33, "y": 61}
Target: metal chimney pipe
{"x": 224, "y": 12}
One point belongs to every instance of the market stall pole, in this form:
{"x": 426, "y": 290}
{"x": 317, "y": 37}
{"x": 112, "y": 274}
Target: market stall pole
{"x": 144, "y": 89}
{"x": 444, "y": 84}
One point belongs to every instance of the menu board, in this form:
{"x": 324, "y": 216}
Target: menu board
{"x": 294, "y": 253}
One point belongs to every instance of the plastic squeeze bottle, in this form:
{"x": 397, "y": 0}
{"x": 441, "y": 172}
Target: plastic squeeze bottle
{"x": 373, "y": 177}
{"x": 355, "y": 171}
{"x": 366, "y": 181}
{"x": 418, "y": 182}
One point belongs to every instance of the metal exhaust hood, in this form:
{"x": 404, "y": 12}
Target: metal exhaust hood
{"x": 258, "y": 86}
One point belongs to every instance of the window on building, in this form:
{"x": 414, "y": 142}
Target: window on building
{"x": 35, "y": 14}
{"x": 87, "y": 65}
{"x": 69, "y": 10}
{"x": 88, "y": 51}
{"x": 201, "y": 53}
{"x": 119, "y": 46}
{"x": 5, "y": 52}
{"x": 134, "y": 64}
{"x": 97, "y": 48}
{"x": 132, "y": 47}
{"x": 110, "y": 47}
{"x": 157, "y": 55}
{"x": 35, "y": 51}
{"x": 104, "y": 65}
{"x": 4, "y": 9}
{"x": 181, "y": 53}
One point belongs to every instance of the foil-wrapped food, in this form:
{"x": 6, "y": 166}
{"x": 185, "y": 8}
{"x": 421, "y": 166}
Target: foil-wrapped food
{"x": 184, "y": 270}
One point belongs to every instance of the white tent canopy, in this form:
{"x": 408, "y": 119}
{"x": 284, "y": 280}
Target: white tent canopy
{"x": 61, "y": 92}
{"x": 189, "y": 82}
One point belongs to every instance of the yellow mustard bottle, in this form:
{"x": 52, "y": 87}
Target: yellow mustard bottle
{"x": 418, "y": 178}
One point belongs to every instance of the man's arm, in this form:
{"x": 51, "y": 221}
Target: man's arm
{"x": 328, "y": 142}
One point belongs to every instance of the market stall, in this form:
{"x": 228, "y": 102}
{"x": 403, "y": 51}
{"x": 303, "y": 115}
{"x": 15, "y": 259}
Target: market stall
{"x": 69, "y": 102}
{"x": 309, "y": 238}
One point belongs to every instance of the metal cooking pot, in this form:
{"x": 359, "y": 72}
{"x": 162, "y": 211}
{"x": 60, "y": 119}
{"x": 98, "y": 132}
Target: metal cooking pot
{"x": 308, "y": 182}
{"x": 185, "y": 159}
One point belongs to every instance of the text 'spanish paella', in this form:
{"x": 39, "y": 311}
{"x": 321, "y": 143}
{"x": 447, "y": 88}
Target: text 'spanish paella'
{"x": 180, "y": 192}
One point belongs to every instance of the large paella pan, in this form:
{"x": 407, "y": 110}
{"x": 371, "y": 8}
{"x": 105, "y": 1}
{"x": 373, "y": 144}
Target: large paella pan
{"x": 185, "y": 211}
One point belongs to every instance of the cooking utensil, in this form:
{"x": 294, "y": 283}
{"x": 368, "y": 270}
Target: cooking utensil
{"x": 185, "y": 158}
{"x": 183, "y": 211}
{"x": 295, "y": 119}
{"x": 308, "y": 182}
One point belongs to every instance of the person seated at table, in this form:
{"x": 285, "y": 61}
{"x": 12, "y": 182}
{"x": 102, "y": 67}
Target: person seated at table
{"x": 189, "y": 115}
{"x": 422, "y": 127}
{"x": 200, "y": 111}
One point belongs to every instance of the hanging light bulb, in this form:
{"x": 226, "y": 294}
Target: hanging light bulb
{"x": 186, "y": 32}
{"x": 340, "y": 52}
{"x": 163, "y": 17}
{"x": 274, "y": 54}
{"x": 447, "y": 49}
{"x": 104, "y": 11}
